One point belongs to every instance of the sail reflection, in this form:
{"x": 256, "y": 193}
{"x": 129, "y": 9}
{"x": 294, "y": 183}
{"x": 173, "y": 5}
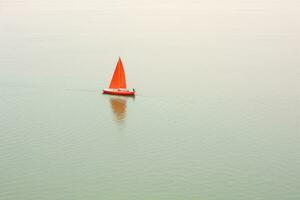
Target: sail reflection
{"x": 118, "y": 106}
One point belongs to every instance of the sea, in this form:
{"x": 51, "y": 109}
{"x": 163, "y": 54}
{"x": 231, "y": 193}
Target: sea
{"x": 216, "y": 114}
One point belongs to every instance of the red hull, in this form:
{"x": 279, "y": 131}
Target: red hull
{"x": 119, "y": 92}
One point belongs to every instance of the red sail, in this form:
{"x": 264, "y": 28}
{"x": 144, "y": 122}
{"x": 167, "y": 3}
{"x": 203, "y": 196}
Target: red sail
{"x": 118, "y": 80}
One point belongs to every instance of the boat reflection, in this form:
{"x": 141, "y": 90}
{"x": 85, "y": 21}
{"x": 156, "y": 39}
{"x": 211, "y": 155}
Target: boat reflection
{"x": 118, "y": 106}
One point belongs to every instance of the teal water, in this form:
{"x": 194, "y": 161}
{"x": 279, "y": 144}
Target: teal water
{"x": 216, "y": 115}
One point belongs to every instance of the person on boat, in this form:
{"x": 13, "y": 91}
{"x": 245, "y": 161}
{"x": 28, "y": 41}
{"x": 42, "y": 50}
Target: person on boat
{"x": 133, "y": 89}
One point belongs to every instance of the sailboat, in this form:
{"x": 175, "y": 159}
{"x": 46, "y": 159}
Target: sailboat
{"x": 118, "y": 82}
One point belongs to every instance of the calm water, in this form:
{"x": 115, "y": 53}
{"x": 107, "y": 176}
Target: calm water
{"x": 217, "y": 111}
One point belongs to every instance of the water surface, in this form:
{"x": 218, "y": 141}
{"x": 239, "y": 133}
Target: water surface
{"x": 216, "y": 114}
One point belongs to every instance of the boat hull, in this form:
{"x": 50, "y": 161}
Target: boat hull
{"x": 122, "y": 92}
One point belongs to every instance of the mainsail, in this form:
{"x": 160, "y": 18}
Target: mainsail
{"x": 118, "y": 80}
